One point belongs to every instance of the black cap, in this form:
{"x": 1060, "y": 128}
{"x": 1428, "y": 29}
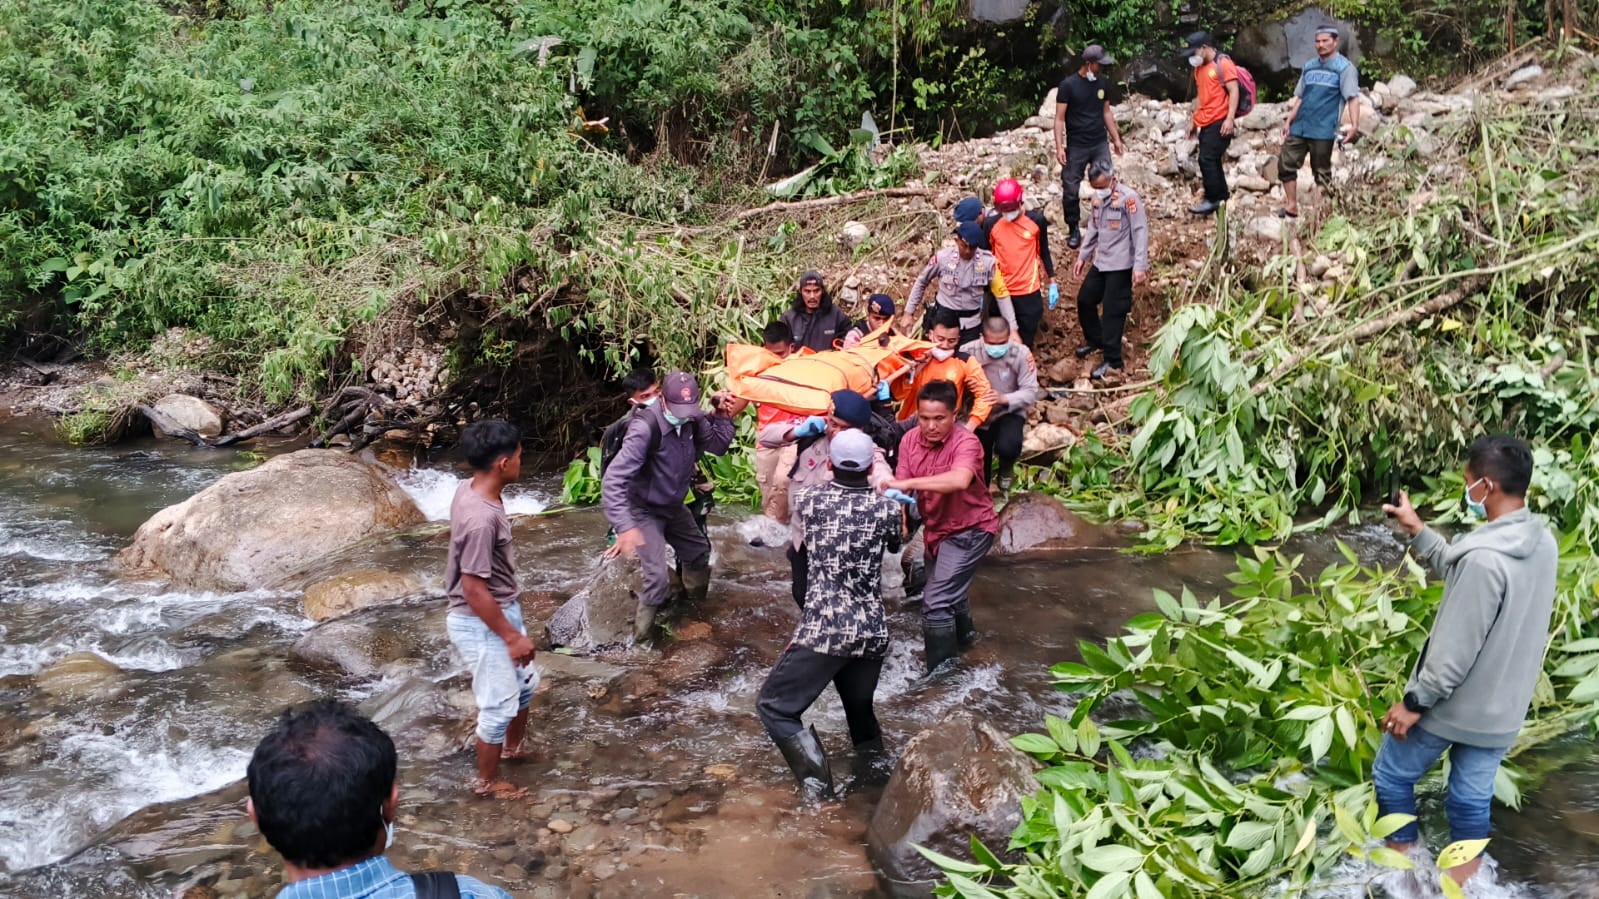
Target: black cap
{"x": 1200, "y": 39}
{"x": 1096, "y": 53}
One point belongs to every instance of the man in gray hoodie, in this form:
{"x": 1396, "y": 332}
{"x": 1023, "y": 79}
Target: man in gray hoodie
{"x": 1472, "y": 685}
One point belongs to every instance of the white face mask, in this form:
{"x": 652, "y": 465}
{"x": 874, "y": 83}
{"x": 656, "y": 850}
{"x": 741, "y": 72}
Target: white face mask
{"x": 1090, "y": 76}
{"x": 941, "y": 354}
{"x": 388, "y": 831}
{"x": 1013, "y": 215}
{"x": 1196, "y": 60}
{"x": 1103, "y": 193}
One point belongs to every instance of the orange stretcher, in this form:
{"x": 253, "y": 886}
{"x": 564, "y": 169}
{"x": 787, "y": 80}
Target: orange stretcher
{"x": 803, "y": 383}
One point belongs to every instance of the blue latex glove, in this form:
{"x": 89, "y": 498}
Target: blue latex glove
{"x": 1054, "y": 295}
{"x": 899, "y": 496}
{"x": 811, "y": 427}
{"x": 882, "y": 392}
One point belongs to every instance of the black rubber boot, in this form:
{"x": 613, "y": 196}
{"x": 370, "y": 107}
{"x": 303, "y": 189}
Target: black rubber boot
{"x": 940, "y": 643}
{"x": 643, "y": 621}
{"x": 965, "y": 631}
{"x": 808, "y": 761}
{"x": 872, "y": 764}
{"x": 1074, "y": 237}
{"x": 697, "y": 581}
{"x": 915, "y": 575}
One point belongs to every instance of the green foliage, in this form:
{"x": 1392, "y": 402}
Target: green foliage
{"x": 1265, "y": 422}
{"x": 280, "y": 176}
{"x": 1254, "y": 723}
{"x": 1255, "y": 720}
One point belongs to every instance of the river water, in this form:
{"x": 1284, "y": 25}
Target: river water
{"x": 654, "y": 777}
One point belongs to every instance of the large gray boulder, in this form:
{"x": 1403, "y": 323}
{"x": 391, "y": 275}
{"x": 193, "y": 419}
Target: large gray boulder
{"x": 254, "y": 528}
{"x": 191, "y": 413}
{"x": 957, "y": 779}
{"x": 601, "y": 614}
{"x": 1275, "y": 49}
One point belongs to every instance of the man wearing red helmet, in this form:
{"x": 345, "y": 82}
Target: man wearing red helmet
{"x": 1020, "y": 242}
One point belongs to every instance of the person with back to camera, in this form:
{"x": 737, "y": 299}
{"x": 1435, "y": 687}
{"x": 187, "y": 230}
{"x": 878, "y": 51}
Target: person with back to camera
{"x": 842, "y": 636}
{"x": 324, "y": 794}
{"x": 485, "y": 620}
{"x": 1473, "y": 682}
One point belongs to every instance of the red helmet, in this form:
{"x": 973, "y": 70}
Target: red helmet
{"x": 1007, "y": 194}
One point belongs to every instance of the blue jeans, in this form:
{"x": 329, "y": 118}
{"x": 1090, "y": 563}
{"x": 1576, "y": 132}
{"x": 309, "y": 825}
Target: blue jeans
{"x": 497, "y": 684}
{"x": 1401, "y": 763}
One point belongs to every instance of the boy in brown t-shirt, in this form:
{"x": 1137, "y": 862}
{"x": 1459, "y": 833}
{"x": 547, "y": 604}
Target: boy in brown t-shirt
{"x": 485, "y": 620}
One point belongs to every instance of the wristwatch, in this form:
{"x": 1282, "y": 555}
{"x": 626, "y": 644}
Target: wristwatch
{"x": 1413, "y": 705}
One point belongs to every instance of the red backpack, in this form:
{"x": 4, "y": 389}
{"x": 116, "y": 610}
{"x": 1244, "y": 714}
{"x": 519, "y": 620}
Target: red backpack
{"x": 1246, "y": 85}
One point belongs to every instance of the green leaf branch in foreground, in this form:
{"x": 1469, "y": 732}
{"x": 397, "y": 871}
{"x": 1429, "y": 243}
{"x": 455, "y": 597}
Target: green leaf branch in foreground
{"x": 1238, "y": 736}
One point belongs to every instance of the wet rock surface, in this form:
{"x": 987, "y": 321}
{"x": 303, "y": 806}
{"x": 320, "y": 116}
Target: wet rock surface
{"x": 956, "y": 780}
{"x": 358, "y": 589}
{"x": 1037, "y": 522}
{"x": 601, "y": 614}
{"x": 252, "y": 528}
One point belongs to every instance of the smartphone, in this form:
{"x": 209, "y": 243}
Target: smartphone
{"x": 1393, "y": 485}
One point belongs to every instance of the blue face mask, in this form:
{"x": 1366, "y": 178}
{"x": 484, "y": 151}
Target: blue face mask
{"x": 1478, "y": 510}
{"x": 673, "y": 420}
{"x": 647, "y": 403}
{"x": 996, "y": 351}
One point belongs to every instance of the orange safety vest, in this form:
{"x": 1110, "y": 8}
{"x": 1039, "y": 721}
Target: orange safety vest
{"x": 1015, "y": 246}
{"x": 965, "y": 373}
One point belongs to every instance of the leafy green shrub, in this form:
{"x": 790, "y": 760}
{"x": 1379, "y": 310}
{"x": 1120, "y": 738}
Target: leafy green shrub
{"x": 1244, "y": 734}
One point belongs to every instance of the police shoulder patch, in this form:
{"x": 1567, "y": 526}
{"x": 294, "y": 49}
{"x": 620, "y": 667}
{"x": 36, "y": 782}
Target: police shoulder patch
{"x": 1132, "y": 205}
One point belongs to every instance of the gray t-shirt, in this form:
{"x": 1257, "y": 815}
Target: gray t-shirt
{"x": 480, "y": 545}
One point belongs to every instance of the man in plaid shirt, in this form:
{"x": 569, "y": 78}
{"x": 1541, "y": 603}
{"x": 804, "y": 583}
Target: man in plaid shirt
{"x": 842, "y": 636}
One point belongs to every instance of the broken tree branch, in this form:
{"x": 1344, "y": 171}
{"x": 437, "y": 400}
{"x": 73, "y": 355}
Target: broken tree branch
{"x": 275, "y": 423}
{"x": 1371, "y": 328}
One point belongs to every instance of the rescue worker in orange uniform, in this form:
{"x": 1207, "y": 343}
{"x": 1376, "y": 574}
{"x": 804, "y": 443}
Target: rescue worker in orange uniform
{"x": 947, "y": 363}
{"x": 1020, "y": 243}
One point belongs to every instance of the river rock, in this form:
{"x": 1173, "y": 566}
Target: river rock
{"x": 196, "y": 415}
{"x": 1046, "y": 109}
{"x": 601, "y": 614}
{"x": 955, "y": 780}
{"x": 1401, "y": 87}
{"x": 366, "y": 643}
{"x": 1265, "y": 227}
{"x": 853, "y": 234}
{"x": 253, "y": 528}
{"x": 1523, "y": 75}
{"x": 1031, "y": 520}
{"x": 81, "y": 676}
{"x": 1275, "y": 49}
{"x": 1253, "y": 183}
{"x": 358, "y": 589}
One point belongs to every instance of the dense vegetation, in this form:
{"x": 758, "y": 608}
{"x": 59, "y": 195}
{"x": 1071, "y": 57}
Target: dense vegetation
{"x": 1472, "y": 301}
{"x": 275, "y": 176}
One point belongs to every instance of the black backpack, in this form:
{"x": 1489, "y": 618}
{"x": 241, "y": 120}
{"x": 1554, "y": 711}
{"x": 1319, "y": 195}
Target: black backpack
{"x": 436, "y": 885}
{"x": 616, "y": 432}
